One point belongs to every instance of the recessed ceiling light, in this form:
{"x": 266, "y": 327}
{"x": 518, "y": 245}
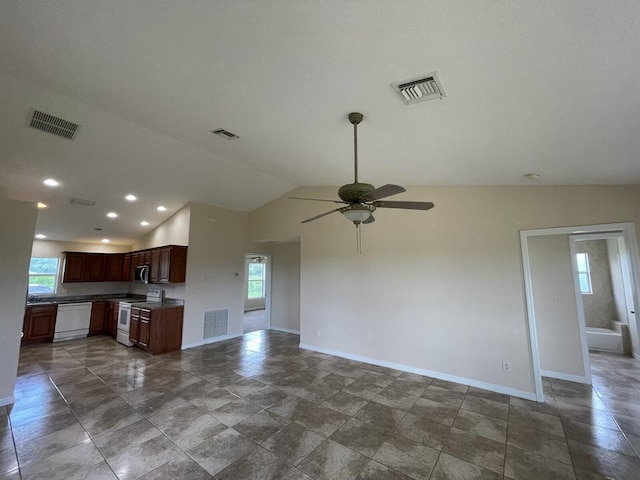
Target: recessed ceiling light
{"x": 144, "y": 223}
{"x": 112, "y": 214}
{"x": 161, "y": 208}
{"x": 41, "y": 236}
{"x": 51, "y": 182}
{"x": 105, "y": 240}
{"x": 42, "y": 205}
{"x": 98, "y": 229}
{"x": 131, "y": 197}
{"x": 532, "y": 176}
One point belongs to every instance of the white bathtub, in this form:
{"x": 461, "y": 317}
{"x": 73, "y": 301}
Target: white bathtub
{"x": 604, "y": 340}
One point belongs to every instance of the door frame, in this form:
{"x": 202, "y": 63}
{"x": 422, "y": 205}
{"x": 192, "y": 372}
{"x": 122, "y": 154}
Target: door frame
{"x": 629, "y": 235}
{"x": 267, "y": 286}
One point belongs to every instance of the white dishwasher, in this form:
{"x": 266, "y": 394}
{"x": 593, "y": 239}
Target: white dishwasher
{"x": 72, "y": 321}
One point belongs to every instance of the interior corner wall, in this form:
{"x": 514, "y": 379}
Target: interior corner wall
{"x": 440, "y": 291}
{"x": 554, "y": 301}
{"x": 285, "y": 286}
{"x": 617, "y": 282}
{"x": 52, "y": 248}
{"x": 599, "y": 306}
{"x": 218, "y": 242}
{"x": 18, "y": 220}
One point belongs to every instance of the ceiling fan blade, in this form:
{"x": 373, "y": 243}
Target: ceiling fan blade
{"x": 405, "y": 205}
{"x": 382, "y": 192}
{"x": 369, "y": 220}
{"x": 321, "y": 215}
{"x": 317, "y": 199}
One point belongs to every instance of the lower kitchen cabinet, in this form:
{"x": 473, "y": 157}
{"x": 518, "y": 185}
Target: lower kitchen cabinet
{"x": 111, "y": 318}
{"x": 97, "y": 324}
{"x": 39, "y": 324}
{"x": 157, "y": 330}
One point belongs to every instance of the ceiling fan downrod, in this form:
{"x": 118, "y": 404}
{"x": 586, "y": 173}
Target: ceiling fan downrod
{"x": 355, "y": 118}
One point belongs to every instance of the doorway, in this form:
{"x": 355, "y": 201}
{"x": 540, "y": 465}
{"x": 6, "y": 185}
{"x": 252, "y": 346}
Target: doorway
{"x": 257, "y": 292}
{"x": 557, "y": 329}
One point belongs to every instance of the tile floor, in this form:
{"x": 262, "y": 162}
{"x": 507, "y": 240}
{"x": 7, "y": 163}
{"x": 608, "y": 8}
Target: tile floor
{"x": 259, "y": 407}
{"x": 253, "y": 321}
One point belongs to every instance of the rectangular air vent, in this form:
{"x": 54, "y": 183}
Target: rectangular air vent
{"x": 221, "y": 132}
{"x": 84, "y": 203}
{"x": 426, "y": 87}
{"x": 54, "y": 125}
{"x": 216, "y": 323}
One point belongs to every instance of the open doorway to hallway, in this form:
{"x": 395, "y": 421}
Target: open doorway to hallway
{"x": 257, "y": 292}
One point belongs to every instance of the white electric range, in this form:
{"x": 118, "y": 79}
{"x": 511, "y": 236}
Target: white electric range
{"x": 124, "y": 315}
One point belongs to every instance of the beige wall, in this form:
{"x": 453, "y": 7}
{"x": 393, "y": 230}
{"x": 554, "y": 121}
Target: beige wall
{"x": 439, "y": 290}
{"x": 599, "y": 306}
{"x": 50, "y": 249}
{"x": 285, "y": 286}
{"x": 215, "y": 266}
{"x": 554, "y": 302}
{"x": 18, "y": 220}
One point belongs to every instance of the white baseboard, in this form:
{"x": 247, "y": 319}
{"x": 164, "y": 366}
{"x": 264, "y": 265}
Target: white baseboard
{"x": 441, "y": 376}
{"x": 285, "y": 330}
{"x": 7, "y": 401}
{"x": 210, "y": 340}
{"x": 564, "y": 376}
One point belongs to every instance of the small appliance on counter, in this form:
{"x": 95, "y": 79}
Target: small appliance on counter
{"x": 124, "y": 316}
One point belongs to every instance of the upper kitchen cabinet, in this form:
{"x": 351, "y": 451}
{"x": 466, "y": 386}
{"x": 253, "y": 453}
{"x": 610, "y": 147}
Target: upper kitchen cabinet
{"x": 83, "y": 267}
{"x": 113, "y": 267}
{"x": 173, "y": 264}
{"x": 126, "y": 268}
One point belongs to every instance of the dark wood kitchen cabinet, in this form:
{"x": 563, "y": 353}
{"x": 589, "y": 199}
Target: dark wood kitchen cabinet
{"x": 73, "y": 267}
{"x": 173, "y": 264}
{"x": 39, "y": 324}
{"x": 98, "y": 318}
{"x": 154, "y": 265}
{"x": 114, "y": 263}
{"x": 157, "y": 330}
{"x": 126, "y": 268}
{"x": 94, "y": 267}
{"x": 111, "y": 319}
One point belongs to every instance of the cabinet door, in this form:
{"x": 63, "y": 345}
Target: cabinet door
{"x": 112, "y": 319}
{"x": 96, "y": 325}
{"x": 147, "y": 257}
{"x": 178, "y": 269}
{"x": 40, "y": 324}
{"x": 126, "y": 268}
{"x": 94, "y": 267}
{"x": 144, "y": 331}
{"x": 113, "y": 267}
{"x": 134, "y": 329}
{"x": 134, "y": 264}
{"x": 73, "y": 268}
{"x": 165, "y": 265}
{"x": 154, "y": 274}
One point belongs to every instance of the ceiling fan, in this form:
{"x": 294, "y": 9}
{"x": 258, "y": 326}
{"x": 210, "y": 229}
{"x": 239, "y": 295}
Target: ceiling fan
{"x": 362, "y": 199}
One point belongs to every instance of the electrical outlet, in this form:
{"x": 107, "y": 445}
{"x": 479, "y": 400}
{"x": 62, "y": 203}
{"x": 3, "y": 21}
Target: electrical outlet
{"x": 506, "y": 366}
{"x": 318, "y": 333}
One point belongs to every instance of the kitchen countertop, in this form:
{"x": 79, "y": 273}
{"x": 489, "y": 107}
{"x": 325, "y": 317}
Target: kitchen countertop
{"x": 169, "y": 303}
{"x": 52, "y": 300}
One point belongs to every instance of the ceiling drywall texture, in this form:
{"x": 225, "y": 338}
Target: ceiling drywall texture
{"x": 546, "y": 86}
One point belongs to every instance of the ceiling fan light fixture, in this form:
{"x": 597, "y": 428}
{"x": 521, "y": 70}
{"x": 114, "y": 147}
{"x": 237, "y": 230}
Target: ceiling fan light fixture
{"x": 357, "y": 213}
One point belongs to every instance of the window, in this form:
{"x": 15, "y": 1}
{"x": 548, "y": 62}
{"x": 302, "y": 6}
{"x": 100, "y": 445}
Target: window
{"x": 256, "y": 280}
{"x": 584, "y": 275}
{"x": 43, "y": 275}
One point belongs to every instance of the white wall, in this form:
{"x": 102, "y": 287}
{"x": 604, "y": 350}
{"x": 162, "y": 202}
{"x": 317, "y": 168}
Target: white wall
{"x": 285, "y": 286}
{"x": 440, "y": 290}
{"x": 18, "y": 220}
{"x": 51, "y": 249}
{"x": 554, "y": 301}
{"x": 617, "y": 283}
{"x": 599, "y": 306}
{"x": 215, "y": 265}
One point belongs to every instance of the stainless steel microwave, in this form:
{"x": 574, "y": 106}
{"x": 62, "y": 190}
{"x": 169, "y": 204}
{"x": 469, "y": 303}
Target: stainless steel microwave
{"x": 142, "y": 274}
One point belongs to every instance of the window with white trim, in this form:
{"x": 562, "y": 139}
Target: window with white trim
{"x": 43, "y": 275}
{"x": 255, "y": 288}
{"x": 584, "y": 274}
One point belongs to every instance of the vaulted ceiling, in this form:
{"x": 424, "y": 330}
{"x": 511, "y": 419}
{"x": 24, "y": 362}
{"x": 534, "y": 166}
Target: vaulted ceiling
{"x": 549, "y": 87}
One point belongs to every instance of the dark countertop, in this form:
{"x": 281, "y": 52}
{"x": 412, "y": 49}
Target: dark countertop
{"x": 110, "y": 297}
{"x": 169, "y": 303}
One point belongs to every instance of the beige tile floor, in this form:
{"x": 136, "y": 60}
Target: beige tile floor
{"x": 259, "y": 407}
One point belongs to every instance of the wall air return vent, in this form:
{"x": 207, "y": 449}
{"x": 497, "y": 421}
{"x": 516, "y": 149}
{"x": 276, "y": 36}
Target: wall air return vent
{"x": 216, "y": 324}
{"x": 221, "y": 132}
{"x": 426, "y": 87}
{"x": 54, "y": 125}
{"x": 84, "y": 203}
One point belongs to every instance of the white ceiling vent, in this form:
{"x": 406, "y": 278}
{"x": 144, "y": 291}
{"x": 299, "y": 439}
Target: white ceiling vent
{"x": 84, "y": 203}
{"x": 425, "y": 87}
{"x": 54, "y": 125}
{"x": 221, "y": 132}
